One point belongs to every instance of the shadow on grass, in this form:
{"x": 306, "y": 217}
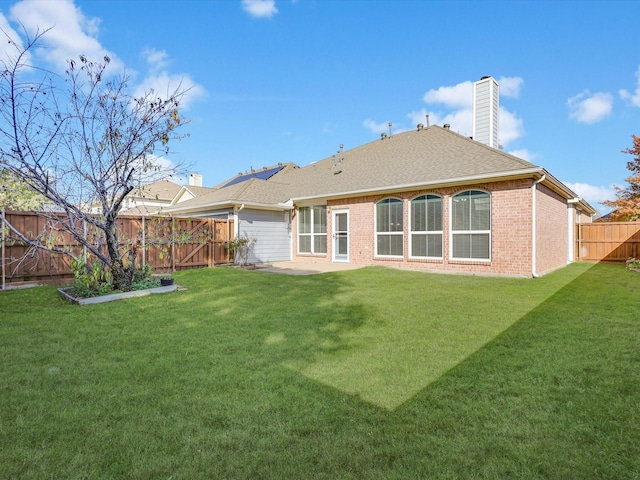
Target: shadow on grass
{"x": 399, "y": 343}
{"x": 247, "y": 374}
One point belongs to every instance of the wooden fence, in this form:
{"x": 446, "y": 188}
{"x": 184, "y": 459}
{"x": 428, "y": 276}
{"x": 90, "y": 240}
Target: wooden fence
{"x": 167, "y": 244}
{"x": 608, "y": 241}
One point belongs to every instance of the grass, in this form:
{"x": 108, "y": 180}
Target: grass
{"x": 372, "y": 373}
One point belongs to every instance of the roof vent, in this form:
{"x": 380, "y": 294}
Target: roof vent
{"x": 447, "y": 126}
{"x": 420, "y": 126}
{"x": 383, "y": 136}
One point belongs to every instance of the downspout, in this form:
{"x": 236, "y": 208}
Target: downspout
{"x": 534, "y": 230}
{"x": 575, "y": 216}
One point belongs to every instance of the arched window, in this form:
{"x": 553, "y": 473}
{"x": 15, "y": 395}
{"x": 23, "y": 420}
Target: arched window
{"x": 426, "y": 226}
{"x": 389, "y": 228}
{"x": 471, "y": 225}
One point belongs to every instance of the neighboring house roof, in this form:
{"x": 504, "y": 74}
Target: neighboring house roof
{"x": 141, "y": 210}
{"x": 187, "y": 192}
{"x": 164, "y": 190}
{"x": 424, "y": 158}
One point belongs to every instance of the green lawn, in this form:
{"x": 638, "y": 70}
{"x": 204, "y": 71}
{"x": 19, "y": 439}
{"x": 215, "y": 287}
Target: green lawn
{"x": 365, "y": 374}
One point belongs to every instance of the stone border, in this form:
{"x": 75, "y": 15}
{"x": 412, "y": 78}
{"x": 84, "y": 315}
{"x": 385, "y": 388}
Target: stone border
{"x": 115, "y": 296}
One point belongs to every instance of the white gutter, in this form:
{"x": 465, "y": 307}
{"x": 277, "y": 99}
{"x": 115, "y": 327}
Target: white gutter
{"x": 288, "y": 205}
{"x": 510, "y": 175}
{"x": 534, "y": 189}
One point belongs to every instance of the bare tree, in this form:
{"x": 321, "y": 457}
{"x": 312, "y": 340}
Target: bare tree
{"x": 83, "y": 143}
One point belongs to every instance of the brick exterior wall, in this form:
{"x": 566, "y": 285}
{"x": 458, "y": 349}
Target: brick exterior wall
{"x": 511, "y": 231}
{"x": 552, "y": 230}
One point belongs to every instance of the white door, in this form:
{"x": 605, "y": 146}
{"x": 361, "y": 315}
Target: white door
{"x": 341, "y": 236}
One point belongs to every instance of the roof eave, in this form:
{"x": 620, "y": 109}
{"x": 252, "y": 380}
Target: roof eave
{"x": 229, "y": 204}
{"x": 536, "y": 172}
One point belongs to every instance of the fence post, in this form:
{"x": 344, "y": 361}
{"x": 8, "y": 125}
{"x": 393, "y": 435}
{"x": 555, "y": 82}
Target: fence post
{"x": 84, "y": 248}
{"x": 144, "y": 245}
{"x": 212, "y": 243}
{"x": 4, "y": 286}
{"x": 173, "y": 244}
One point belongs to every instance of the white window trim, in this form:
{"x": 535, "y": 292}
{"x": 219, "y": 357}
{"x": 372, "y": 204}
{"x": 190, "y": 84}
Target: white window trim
{"x": 312, "y": 234}
{"x": 470, "y": 232}
{"x": 375, "y": 228}
{"x": 424, "y": 232}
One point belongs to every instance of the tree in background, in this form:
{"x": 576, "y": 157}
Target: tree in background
{"x": 626, "y": 207}
{"x": 82, "y": 143}
{"x": 16, "y": 195}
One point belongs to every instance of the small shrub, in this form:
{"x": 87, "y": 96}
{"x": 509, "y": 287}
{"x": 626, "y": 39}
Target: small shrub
{"x": 633, "y": 264}
{"x": 94, "y": 280}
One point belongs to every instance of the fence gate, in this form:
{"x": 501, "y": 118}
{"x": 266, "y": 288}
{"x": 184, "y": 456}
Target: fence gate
{"x": 165, "y": 241}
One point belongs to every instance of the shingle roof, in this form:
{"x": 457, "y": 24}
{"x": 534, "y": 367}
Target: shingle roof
{"x": 427, "y": 157}
{"x": 162, "y": 190}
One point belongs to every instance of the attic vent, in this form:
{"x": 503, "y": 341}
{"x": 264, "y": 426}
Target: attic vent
{"x": 447, "y": 126}
{"x": 420, "y": 126}
{"x": 383, "y": 136}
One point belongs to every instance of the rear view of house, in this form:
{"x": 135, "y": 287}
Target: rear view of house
{"x": 427, "y": 199}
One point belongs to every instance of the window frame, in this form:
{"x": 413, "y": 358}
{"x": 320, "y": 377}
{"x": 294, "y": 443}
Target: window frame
{"x": 426, "y": 233}
{"x": 390, "y": 233}
{"x": 312, "y": 234}
{"x": 469, "y": 232}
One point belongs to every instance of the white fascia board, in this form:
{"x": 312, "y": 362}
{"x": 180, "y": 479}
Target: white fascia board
{"x": 229, "y": 204}
{"x": 535, "y": 172}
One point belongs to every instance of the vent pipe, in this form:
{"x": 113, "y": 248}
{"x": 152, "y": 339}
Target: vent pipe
{"x": 390, "y": 130}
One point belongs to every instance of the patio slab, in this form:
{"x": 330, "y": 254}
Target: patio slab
{"x": 304, "y": 268}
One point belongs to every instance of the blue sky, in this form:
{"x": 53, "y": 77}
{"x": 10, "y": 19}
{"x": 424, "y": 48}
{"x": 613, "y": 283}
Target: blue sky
{"x": 289, "y": 81}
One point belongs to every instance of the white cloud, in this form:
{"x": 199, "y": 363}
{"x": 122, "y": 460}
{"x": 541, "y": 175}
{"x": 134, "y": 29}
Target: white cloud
{"x": 524, "y": 154}
{"x": 376, "y": 127}
{"x": 165, "y": 84}
{"x": 71, "y": 35}
{"x": 457, "y": 96}
{"x": 590, "y": 108}
{"x": 5, "y": 47}
{"x": 510, "y": 86}
{"x": 632, "y": 98}
{"x": 458, "y": 100}
{"x": 157, "y": 59}
{"x": 591, "y": 193}
{"x": 510, "y": 127}
{"x": 260, "y": 8}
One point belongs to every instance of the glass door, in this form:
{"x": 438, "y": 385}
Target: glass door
{"x": 341, "y": 236}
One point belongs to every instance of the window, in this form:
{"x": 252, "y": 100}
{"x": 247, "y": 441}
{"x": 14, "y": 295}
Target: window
{"x": 389, "y": 228}
{"x": 312, "y": 229}
{"x": 471, "y": 225}
{"x": 426, "y": 226}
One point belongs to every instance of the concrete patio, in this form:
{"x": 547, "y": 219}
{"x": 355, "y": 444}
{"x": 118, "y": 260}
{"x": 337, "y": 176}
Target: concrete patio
{"x": 304, "y": 268}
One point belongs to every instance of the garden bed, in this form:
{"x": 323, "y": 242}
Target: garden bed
{"x": 114, "y": 296}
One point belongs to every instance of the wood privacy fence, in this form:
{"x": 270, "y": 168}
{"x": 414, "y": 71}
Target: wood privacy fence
{"x": 167, "y": 244}
{"x": 608, "y": 241}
